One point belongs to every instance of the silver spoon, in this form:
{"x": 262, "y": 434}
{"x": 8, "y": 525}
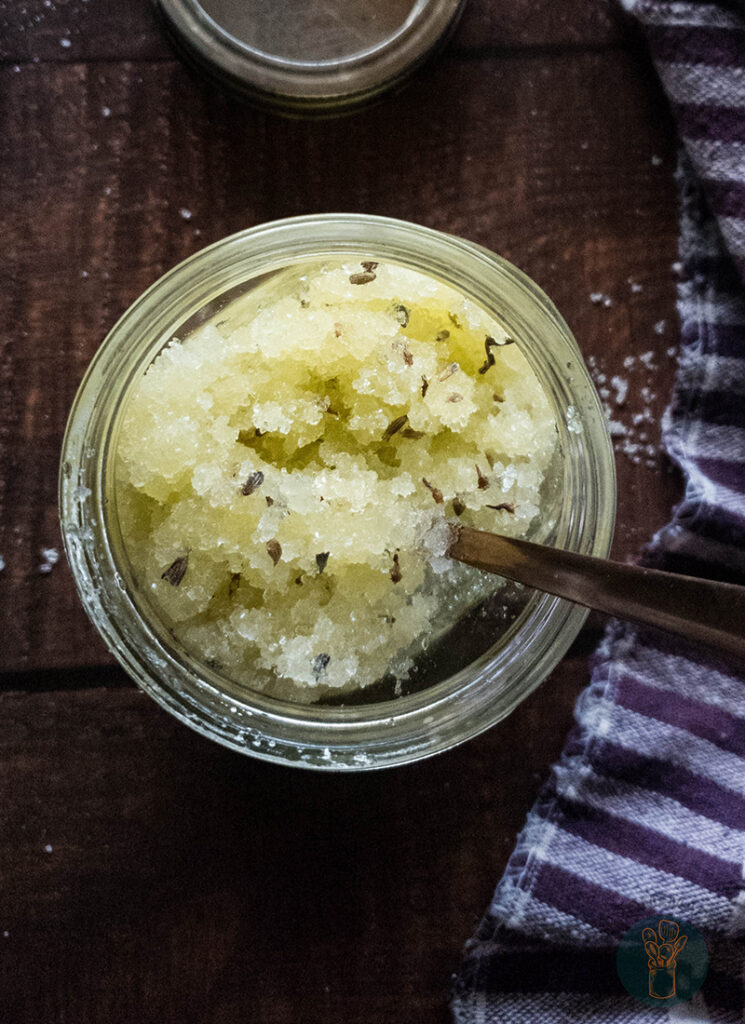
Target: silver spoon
{"x": 700, "y": 610}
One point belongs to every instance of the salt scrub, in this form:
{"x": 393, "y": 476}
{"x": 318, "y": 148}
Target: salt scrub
{"x": 280, "y": 472}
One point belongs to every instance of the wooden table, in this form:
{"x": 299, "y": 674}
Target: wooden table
{"x": 147, "y": 874}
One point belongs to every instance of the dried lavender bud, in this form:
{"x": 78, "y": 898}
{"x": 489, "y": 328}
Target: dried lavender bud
{"x": 304, "y": 303}
{"x": 253, "y": 483}
{"x": 413, "y": 435}
{"x": 455, "y": 321}
{"x": 369, "y": 265}
{"x": 321, "y": 560}
{"x": 458, "y": 507}
{"x": 364, "y": 278}
{"x": 337, "y": 330}
{"x": 425, "y": 385}
{"x": 442, "y": 336}
{"x": 483, "y": 482}
{"x": 269, "y": 501}
{"x": 320, "y": 664}
{"x": 503, "y": 506}
{"x": 274, "y": 549}
{"x": 396, "y": 574}
{"x": 489, "y": 344}
{"x": 408, "y": 357}
{"x": 455, "y": 397}
{"x": 235, "y": 582}
{"x": 402, "y": 314}
{"x": 176, "y": 570}
{"x": 448, "y": 371}
{"x": 435, "y": 491}
{"x": 490, "y": 459}
{"x": 394, "y": 426}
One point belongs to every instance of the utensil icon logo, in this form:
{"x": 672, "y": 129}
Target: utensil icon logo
{"x": 662, "y": 948}
{"x": 662, "y": 961}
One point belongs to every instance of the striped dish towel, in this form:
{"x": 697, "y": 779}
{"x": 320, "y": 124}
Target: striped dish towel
{"x": 645, "y": 812}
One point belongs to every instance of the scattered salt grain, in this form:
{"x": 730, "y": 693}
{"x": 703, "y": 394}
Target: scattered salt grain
{"x": 106, "y": 111}
{"x": 6, "y": 934}
{"x": 629, "y": 362}
{"x": 2, "y": 563}
{"x": 622, "y": 389}
{"x": 186, "y": 214}
{"x": 617, "y": 429}
{"x": 636, "y": 287}
{"x": 659, "y": 327}
{"x": 656, "y": 160}
{"x": 607, "y": 301}
{"x": 671, "y": 351}
{"x": 51, "y": 557}
{"x": 596, "y": 298}
{"x": 16, "y": 68}
{"x": 647, "y": 358}
{"x": 47, "y": 848}
{"x": 65, "y": 43}
{"x": 83, "y": 273}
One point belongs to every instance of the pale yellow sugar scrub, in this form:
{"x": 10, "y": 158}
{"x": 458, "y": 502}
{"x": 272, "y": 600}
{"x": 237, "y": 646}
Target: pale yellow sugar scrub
{"x": 280, "y": 471}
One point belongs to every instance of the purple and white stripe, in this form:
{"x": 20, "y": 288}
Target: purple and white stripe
{"x": 645, "y": 812}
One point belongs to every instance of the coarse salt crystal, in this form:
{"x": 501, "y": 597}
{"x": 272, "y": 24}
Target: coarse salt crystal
{"x": 622, "y": 389}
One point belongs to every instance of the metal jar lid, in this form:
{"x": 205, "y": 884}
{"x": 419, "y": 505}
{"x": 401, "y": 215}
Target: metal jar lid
{"x": 307, "y": 57}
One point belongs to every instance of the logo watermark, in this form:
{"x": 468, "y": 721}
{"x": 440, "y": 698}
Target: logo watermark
{"x": 662, "y": 961}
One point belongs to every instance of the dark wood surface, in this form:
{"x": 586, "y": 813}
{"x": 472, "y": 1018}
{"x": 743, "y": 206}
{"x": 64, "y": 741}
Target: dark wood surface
{"x": 148, "y": 875}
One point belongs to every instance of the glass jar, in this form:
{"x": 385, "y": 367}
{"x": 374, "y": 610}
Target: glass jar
{"x": 310, "y": 60}
{"x": 581, "y": 495}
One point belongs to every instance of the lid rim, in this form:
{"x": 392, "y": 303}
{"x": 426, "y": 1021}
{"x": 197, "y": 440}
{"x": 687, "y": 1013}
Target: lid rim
{"x": 303, "y": 84}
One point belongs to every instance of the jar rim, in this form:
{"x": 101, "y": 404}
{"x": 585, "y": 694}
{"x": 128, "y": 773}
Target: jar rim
{"x": 323, "y": 85}
{"x": 392, "y": 732}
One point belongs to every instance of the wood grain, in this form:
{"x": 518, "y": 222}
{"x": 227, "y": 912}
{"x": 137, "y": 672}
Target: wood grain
{"x": 535, "y": 159}
{"x": 34, "y": 30}
{"x": 148, "y": 875}
{"x": 186, "y": 883}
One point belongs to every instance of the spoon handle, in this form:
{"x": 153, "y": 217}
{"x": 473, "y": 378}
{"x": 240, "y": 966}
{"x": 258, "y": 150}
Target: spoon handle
{"x": 701, "y": 610}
